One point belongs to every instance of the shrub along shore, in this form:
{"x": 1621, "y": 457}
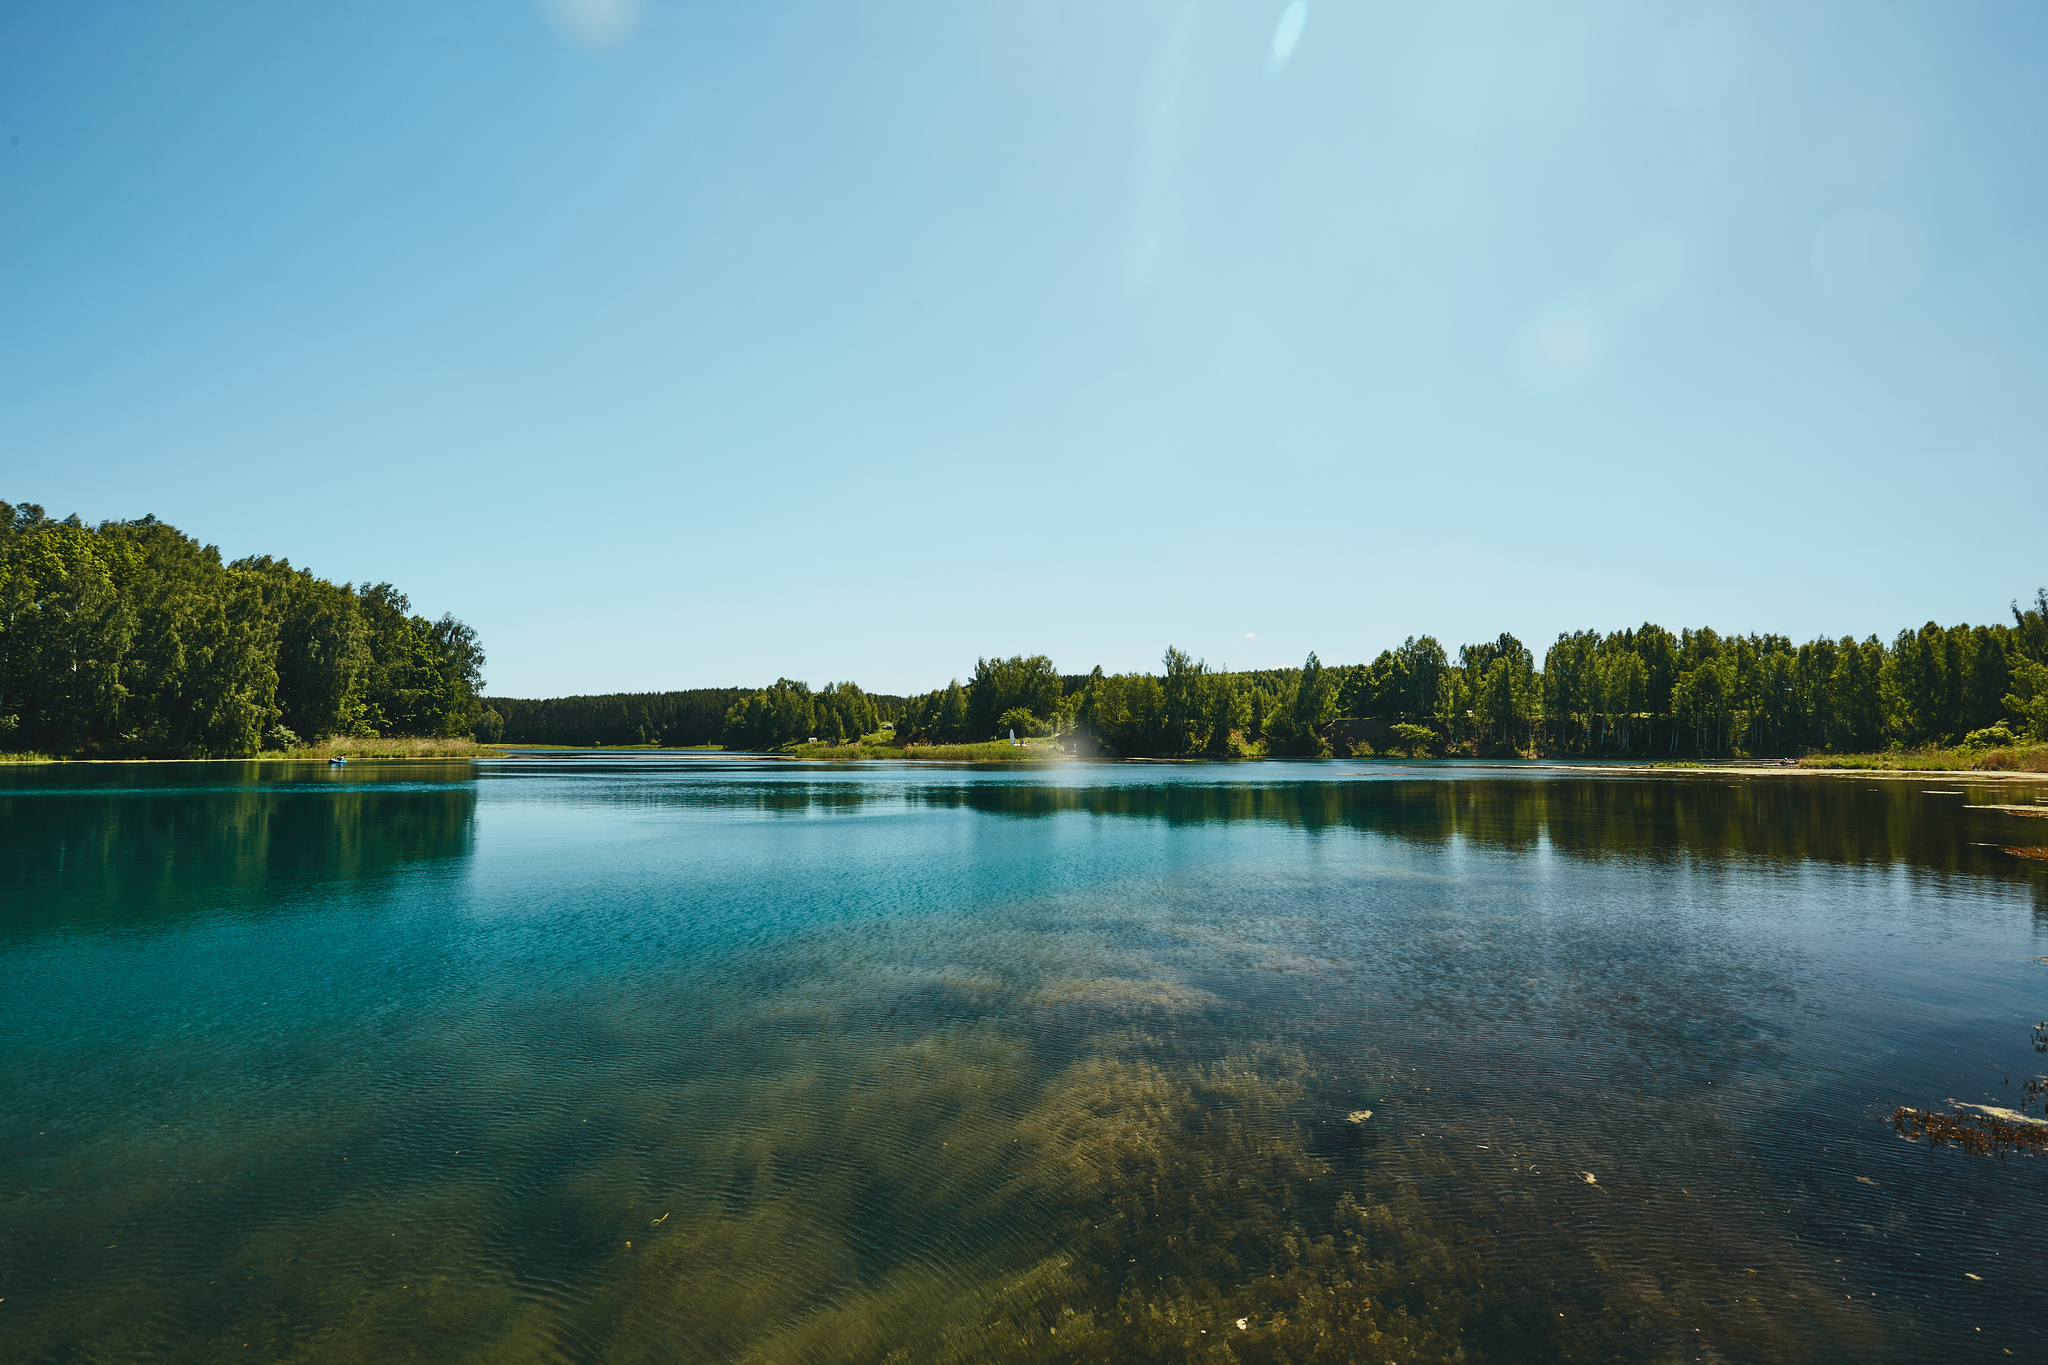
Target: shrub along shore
{"x": 2018, "y": 761}
{"x": 345, "y": 746}
{"x": 881, "y": 746}
{"x": 2029, "y": 758}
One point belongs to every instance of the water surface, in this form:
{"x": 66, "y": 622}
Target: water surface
{"x": 644, "y": 1059}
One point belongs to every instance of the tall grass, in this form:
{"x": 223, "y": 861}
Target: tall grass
{"x": 341, "y": 746}
{"x": 994, "y": 751}
{"x": 2019, "y": 758}
{"x": 369, "y": 746}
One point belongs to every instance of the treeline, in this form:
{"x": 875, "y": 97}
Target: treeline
{"x": 1643, "y": 692}
{"x": 131, "y": 638}
{"x": 735, "y": 717}
{"x": 676, "y": 720}
{"x": 790, "y": 711}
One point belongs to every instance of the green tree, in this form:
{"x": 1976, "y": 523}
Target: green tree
{"x": 2029, "y": 638}
{"x": 133, "y": 638}
{"x": 1419, "y": 739}
{"x": 1126, "y": 712}
{"x": 69, "y": 624}
{"x": 777, "y": 715}
{"x": 1188, "y": 719}
{"x": 1417, "y": 667}
{"x": 1000, "y": 685}
{"x": 1454, "y": 705}
{"x": 953, "y": 720}
{"x": 322, "y": 648}
{"x": 2028, "y": 700}
{"x": 1855, "y": 717}
{"x": 1915, "y": 684}
{"x": 1297, "y": 728}
{"x": 1624, "y": 690}
{"x": 1507, "y": 692}
{"x": 1019, "y": 721}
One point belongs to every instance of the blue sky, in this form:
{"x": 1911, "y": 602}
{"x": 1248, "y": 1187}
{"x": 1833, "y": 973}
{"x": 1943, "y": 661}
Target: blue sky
{"x": 677, "y": 344}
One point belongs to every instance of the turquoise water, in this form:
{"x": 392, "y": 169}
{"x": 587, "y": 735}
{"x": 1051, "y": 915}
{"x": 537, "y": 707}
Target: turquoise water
{"x": 655, "y": 1059}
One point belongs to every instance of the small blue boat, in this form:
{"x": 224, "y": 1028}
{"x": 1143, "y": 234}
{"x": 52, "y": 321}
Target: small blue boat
{"x": 337, "y": 763}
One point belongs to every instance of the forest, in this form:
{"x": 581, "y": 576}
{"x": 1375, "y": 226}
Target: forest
{"x": 1646, "y": 692}
{"x": 130, "y": 639}
{"x": 672, "y": 720}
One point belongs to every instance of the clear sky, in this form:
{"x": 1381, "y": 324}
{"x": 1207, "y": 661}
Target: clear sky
{"x": 694, "y": 342}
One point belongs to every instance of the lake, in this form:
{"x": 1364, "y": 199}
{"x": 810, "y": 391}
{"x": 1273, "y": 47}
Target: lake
{"x": 641, "y": 1058}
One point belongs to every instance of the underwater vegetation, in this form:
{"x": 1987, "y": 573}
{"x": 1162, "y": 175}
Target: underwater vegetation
{"x": 1985, "y": 1129}
{"x": 951, "y": 1166}
{"x": 1977, "y": 1129}
{"x": 777, "y": 1069}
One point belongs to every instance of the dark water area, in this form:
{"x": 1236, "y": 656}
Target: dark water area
{"x": 646, "y": 1059}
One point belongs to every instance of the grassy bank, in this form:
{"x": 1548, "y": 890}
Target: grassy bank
{"x": 2021, "y": 758}
{"x": 872, "y": 748}
{"x": 369, "y": 746}
{"x": 352, "y": 746}
{"x": 504, "y": 746}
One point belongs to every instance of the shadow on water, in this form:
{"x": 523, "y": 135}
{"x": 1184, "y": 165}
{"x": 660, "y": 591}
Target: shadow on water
{"x": 84, "y": 852}
{"x": 1970, "y": 829}
{"x": 1822, "y": 819}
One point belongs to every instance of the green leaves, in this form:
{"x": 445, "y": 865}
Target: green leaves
{"x": 134, "y": 639}
{"x": 773, "y": 716}
{"x": 2028, "y": 701}
{"x": 1021, "y": 682}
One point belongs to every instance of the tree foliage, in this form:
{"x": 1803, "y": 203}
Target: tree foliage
{"x": 1023, "y": 692}
{"x": 131, "y": 638}
{"x": 1645, "y": 691}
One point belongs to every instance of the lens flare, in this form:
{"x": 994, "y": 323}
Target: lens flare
{"x": 1292, "y": 20}
{"x": 1556, "y": 349}
{"x": 1652, "y": 266}
{"x": 595, "y": 24}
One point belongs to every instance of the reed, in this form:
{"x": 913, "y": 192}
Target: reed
{"x": 398, "y": 746}
{"x": 994, "y": 751}
{"x": 2022, "y": 758}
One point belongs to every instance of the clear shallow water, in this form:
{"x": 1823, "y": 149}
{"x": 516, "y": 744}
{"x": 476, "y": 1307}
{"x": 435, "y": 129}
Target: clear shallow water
{"x": 646, "y": 1060}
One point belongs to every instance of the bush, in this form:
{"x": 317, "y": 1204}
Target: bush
{"x": 490, "y": 727}
{"x": 1022, "y": 721}
{"x": 1991, "y": 737}
{"x": 1418, "y": 738}
{"x": 281, "y": 738}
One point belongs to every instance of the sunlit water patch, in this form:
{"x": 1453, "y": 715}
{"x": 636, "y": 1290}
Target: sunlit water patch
{"x": 581, "y": 1060}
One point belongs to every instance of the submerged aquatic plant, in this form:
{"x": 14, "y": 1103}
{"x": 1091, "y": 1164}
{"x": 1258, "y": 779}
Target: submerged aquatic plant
{"x": 1986, "y": 1132}
{"x": 1985, "y": 1129}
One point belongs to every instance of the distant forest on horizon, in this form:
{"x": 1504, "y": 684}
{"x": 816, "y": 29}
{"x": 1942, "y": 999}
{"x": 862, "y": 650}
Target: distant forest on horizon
{"x": 130, "y": 638}
{"x": 1646, "y": 691}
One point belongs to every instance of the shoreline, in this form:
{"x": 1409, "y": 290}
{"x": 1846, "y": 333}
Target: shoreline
{"x": 1053, "y": 757}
